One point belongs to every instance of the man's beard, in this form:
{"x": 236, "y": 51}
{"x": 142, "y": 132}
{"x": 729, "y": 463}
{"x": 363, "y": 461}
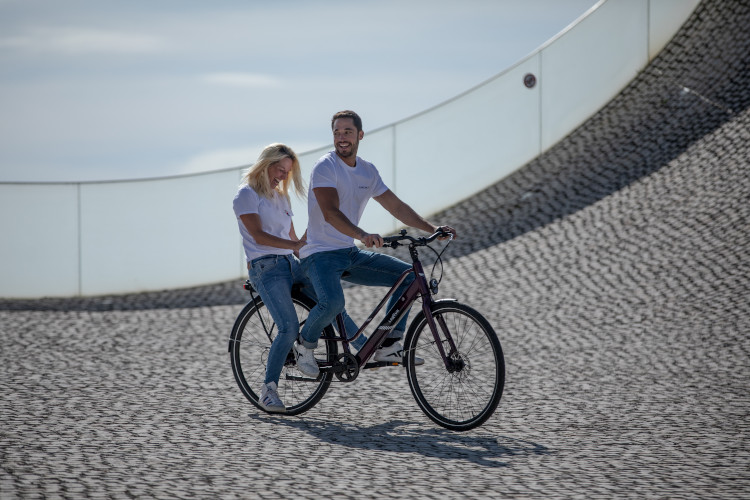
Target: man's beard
{"x": 345, "y": 154}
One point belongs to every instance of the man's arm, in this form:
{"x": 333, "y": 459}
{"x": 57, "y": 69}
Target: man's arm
{"x": 403, "y": 212}
{"x": 328, "y": 201}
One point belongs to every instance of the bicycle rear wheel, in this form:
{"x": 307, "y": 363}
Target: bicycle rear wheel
{"x": 465, "y": 395}
{"x": 249, "y": 344}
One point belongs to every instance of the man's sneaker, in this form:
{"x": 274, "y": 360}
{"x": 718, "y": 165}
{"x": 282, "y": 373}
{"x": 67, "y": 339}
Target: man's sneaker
{"x": 394, "y": 354}
{"x": 306, "y": 360}
{"x": 269, "y": 399}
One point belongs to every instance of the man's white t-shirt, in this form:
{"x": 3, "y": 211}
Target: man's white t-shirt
{"x": 275, "y": 216}
{"x": 355, "y": 186}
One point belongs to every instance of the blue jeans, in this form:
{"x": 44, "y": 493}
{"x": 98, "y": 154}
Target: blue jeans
{"x": 326, "y": 270}
{"x": 272, "y": 277}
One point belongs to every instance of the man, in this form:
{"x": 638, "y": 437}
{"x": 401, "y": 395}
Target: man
{"x": 341, "y": 184}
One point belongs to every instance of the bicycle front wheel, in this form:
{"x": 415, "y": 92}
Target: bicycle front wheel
{"x": 249, "y": 344}
{"x": 464, "y": 394}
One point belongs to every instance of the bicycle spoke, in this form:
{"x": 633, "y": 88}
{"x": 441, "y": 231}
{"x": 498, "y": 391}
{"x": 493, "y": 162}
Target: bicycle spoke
{"x": 253, "y": 334}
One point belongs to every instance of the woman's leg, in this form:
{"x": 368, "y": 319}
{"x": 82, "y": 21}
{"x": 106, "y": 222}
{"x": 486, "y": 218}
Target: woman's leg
{"x": 272, "y": 278}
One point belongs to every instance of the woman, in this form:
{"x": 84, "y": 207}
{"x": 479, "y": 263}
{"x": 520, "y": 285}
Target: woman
{"x": 264, "y": 216}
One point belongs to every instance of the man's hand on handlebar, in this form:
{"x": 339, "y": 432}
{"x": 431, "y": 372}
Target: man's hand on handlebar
{"x": 375, "y": 240}
{"x": 448, "y": 231}
{"x": 372, "y": 240}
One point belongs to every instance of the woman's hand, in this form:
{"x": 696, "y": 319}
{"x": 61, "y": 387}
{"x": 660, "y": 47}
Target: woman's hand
{"x": 298, "y": 245}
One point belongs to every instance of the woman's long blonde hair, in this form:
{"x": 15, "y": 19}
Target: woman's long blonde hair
{"x": 257, "y": 175}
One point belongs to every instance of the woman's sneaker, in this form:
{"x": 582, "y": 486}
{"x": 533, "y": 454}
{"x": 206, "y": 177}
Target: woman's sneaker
{"x": 306, "y": 360}
{"x": 270, "y": 400}
{"x": 394, "y": 354}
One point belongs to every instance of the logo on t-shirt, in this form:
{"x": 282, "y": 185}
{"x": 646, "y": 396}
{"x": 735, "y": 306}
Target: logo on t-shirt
{"x": 364, "y": 187}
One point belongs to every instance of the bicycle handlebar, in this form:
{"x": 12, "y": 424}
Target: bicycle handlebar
{"x": 394, "y": 241}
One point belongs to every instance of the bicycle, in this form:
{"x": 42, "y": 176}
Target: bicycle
{"x": 458, "y": 387}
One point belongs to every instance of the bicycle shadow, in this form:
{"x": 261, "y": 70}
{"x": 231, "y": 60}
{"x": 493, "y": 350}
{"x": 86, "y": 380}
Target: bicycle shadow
{"x": 400, "y": 436}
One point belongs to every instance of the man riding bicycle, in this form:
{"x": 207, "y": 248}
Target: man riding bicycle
{"x": 341, "y": 184}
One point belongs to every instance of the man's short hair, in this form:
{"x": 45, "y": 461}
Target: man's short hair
{"x": 348, "y": 114}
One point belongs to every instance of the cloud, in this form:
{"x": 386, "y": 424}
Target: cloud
{"x": 218, "y": 159}
{"x": 244, "y": 80}
{"x": 83, "y": 41}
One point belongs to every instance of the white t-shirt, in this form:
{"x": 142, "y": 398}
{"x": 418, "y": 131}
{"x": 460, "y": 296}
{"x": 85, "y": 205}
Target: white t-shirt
{"x": 275, "y": 216}
{"x": 355, "y": 186}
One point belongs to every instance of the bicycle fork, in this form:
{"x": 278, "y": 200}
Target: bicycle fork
{"x": 442, "y": 336}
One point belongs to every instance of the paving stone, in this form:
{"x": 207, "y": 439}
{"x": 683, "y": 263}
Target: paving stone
{"x": 615, "y": 269}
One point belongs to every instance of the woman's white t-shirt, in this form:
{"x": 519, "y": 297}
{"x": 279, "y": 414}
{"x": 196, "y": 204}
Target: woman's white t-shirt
{"x": 275, "y": 216}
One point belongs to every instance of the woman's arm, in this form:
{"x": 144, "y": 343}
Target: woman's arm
{"x": 254, "y": 226}
{"x": 293, "y": 237}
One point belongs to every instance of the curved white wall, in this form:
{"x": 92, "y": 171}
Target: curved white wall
{"x": 64, "y": 239}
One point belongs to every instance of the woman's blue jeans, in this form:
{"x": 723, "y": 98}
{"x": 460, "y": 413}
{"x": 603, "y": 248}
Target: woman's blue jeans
{"x": 326, "y": 270}
{"x": 272, "y": 276}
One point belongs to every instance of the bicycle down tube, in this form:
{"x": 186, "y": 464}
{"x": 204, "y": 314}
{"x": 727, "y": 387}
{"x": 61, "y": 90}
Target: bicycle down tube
{"x": 394, "y": 315}
{"x": 385, "y": 326}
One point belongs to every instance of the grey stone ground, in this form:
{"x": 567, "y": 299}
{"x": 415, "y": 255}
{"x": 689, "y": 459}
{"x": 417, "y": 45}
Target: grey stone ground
{"x": 621, "y": 300}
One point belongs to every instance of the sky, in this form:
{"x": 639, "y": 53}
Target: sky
{"x": 94, "y": 90}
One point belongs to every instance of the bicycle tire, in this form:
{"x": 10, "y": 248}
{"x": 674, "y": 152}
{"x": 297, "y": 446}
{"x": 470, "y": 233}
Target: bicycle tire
{"x": 467, "y": 397}
{"x": 249, "y": 343}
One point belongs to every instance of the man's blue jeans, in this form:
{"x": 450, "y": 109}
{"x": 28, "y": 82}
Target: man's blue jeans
{"x": 326, "y": 270}
{"x": 272, "y": 277}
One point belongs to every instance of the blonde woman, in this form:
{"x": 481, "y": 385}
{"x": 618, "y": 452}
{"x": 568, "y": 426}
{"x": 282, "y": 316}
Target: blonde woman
{"x": 264, "y": 216}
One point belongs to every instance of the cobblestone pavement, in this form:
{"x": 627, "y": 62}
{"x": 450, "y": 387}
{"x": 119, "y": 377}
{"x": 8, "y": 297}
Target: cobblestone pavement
{"x": 621, "y": 300}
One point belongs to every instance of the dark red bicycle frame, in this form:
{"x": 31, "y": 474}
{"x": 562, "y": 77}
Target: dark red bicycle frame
{"x": 417, "y": 288}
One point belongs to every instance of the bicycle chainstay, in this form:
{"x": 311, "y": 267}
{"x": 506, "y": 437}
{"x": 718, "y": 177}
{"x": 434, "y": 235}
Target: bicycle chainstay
{"x": 347, "y": 368}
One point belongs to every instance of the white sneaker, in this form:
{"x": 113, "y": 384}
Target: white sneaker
{"x": 394, "y": 354}
{"x": 306, "y": 360}
{"x": 270, "y": 400}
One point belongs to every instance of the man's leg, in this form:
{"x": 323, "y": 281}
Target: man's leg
{"x": 377, "y": 269}
{"x": 370, "y": 268}
{"x": 301, "y": 277}
{"x": 324, "y": 269}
